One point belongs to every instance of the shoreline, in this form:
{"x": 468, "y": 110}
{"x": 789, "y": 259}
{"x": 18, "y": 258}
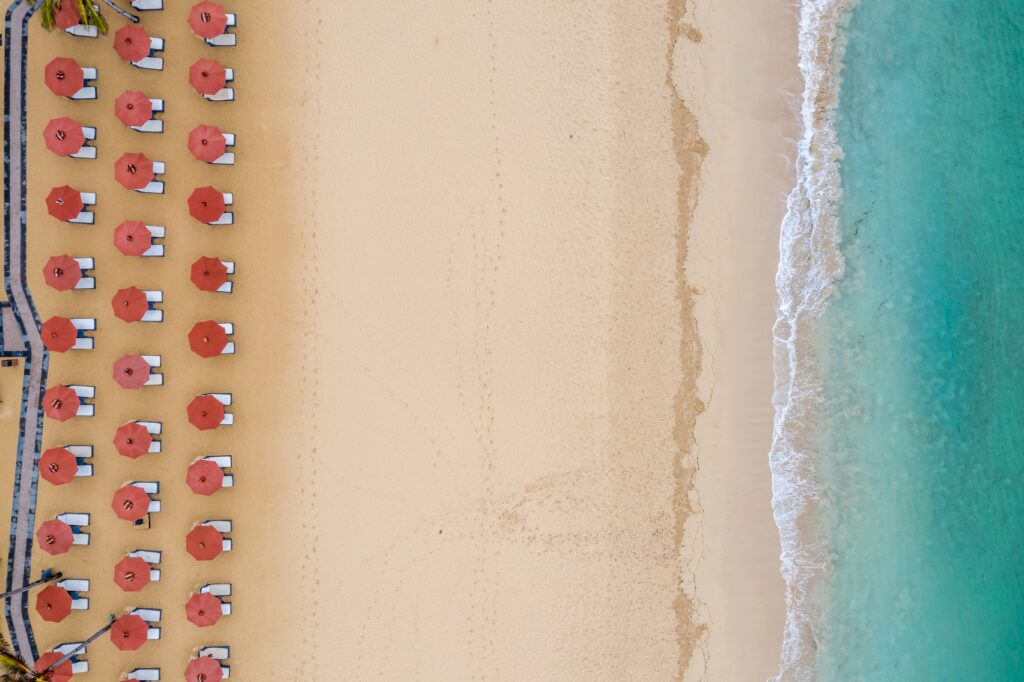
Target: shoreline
{"x": 746, "y": 116}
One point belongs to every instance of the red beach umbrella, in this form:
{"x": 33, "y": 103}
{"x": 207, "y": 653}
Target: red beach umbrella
{"x": 131, "y": 371}
{"x": 130, "y": 503}
{"x": 129, "y": 632}
{"x": 64, "y": 136}
{"x": 53, "y": 603}
{"x": 206, "y": 204}
{"x": 134, "y": 170}
{"x": 203, "y": 609}
{"x": 132, "y": 440}
{"x": 59, "y": 334}
{"x": 132, "y": 238}
{"x": 209, "y": 274}
{"x": 205, "y": 412}
{"x": 207, "y": 19}
{"x": 61, "y": 403}
{"x": 203, "y": 669}
{"x": 204, "y": 477}
{"x": 62, "y": 673}
{"x": 130, "y": 304}
{"x": 58, "y": 466}
{"x": 64, "y": 76}
{"x": 64, "y": 203}
{"x": 133, "y": 108}
{"x": 131, "y": 43}
{"x": 54, "y": 536}
{"x": 132, "y": 573}
{"x": 204, "y": 542}
{"x": 62, "y": 272}
{"x": 207, "y": 76}
{"x": 207, "y": 143}
{"x": 207, "y": 339}
{"x": 67, "y": 16}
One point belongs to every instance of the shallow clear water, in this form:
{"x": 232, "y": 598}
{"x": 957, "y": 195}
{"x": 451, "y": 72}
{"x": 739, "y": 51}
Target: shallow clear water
{"x": 922, "y": 348}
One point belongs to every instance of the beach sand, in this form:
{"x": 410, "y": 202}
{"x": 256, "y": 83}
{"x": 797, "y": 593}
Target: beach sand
{"x": 467, "y": 375}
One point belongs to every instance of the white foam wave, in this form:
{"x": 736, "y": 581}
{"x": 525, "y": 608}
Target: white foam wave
{"x": 809, "y": 264}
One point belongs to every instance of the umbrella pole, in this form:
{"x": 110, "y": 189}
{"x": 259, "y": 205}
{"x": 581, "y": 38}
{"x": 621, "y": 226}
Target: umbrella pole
{"x": 74, "y": 652}
{"x": 46, "y": 577}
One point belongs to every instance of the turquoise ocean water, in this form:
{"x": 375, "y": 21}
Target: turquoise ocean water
{"x": 920, "y": 350}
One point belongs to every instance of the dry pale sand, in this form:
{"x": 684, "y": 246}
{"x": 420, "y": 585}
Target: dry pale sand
{"x": 467, "y": 377}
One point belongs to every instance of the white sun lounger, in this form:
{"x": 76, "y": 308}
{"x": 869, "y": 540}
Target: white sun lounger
{"x": 83, "y": 325}
{"x": 86, "y": 264}
{"x": 87, "y": 91}
{"x": 87, "y": 151}
{"x": 144, "y": 674}
{"x": 153, "y": 125}
{"x": 227, "y": 217}
{"x": 82, "y": 31}
{"x": 151, "y": 616}
{"x": 217, "y": 589}
{"x": 227, "y": 158}
{"x": 86, "y": 217}
{"x": 218, "y": 653}
{"x": 79, "y": 450}
{"x": 148, "y": 6}
{"x": 223, "y": 461}
{"x": 153, "y": 314}
{"x": 225, "y": 39}
{"x": 151, "y": 61}
{"x": 84, "y": 393}
{"x": 155, "y": 186}
{"x": 78, "y": 667}
{"x": 227, "y": 93}
{"x": 151, "y": 487}
{"x": 223, "y": 525}
{"x": 74, "y": 584}
{"x": 75, "y": 519}
{"x": 80, "y": 604}
{"x": 228, "y": 286}
{"x": 158, "y": 232}
{"x": 151, "y": 557}
{"x": 154, "y": 428}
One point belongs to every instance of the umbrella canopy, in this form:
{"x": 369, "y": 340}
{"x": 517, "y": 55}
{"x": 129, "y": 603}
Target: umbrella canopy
{"x": 207, "y": 19}
{"x": 131, "y": 43}
{"x": 130, "y": 304}
{"x": 203, "y": 609}
{"x": 209, "y": 274}
{"x": 59, "y": 334}
{"x": 64, "y": 136}
{"x": 208, "y": 76}
{"x": 204, "y": 542}
{"x": 131, "y": 371}
{"x": 129, "y": 632}
{"x": 130, "y": 503}
{"x": 204, "y": 477}
{"x": 133, "y": 238}
{"x": 64, "y": 76}
{"x": 134, "y": 170}
{"x": 53, "y": 603}
{"x": 58, "y": 466}
{"x": 132, "y": 573}
{"x": 54, "y": 536}
{"x": 203, "y": 669}
{"x": 62, "y": 272}
{"x": 207, "y": 143}
{"x": 133, "y": 108}
{"x": 64, "y": 203}
{"x": 67, "y": 16}
{"x": 206, "y": 204}
{"x": 61, "y": 403}
{"x": 207, "y": 339}
{"x": 205, "y": 412}
{"x": 132, "y": 440}
{"x": 62, "y": 673}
